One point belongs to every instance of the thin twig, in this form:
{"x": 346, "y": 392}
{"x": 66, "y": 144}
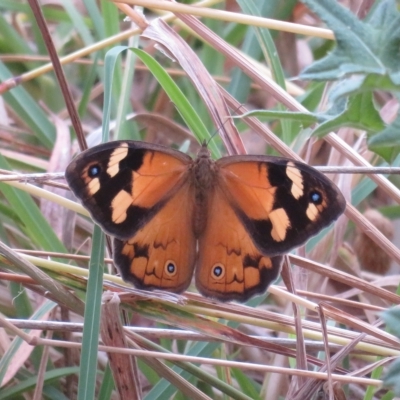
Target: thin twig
{"x": 46, "y": 177}
{"x": 39, "y": 178}
{"x": 359, "y": 170}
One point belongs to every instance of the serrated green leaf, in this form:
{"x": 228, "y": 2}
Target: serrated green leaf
{"x": 363, "y": 47}
{"x": 387, "y": 142}
{"x": 392, "y": 377}
{"x": 392, "y": 320}
{"x": 358, "y": 111}
{"x": 363, "y": 83}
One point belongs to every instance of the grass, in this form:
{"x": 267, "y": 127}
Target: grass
{"x": 319, "y": 329}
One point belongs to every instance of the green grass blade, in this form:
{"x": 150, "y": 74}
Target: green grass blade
{"x": 96, "y": 17}
{"x": 8, "y": 356}
{"x": 107, "y": 385}
{"x": 183, "y": 106}
{"x": 35, "y": 225}
{"x": 28, "y": 110}
{"x": 91, "y": 324}
{"x": 29, "y": 384}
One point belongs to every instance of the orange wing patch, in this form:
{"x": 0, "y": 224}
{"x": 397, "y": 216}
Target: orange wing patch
{"x": 229, "y": 265}
{"x": 281, "y": 203}
{"x": 247, "y": 184}
{"x": 162, "y": 254}
{"x": 150, "y": 183}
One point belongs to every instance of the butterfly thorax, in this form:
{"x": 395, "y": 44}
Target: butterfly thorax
{"x": 204, "y": 173}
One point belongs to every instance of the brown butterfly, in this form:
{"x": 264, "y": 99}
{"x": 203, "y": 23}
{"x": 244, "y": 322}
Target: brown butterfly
{"x": 230, "y": 219}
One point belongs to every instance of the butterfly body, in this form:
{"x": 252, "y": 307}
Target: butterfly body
{"x": 230, "y": 220}
{"x": 202, "y": 178}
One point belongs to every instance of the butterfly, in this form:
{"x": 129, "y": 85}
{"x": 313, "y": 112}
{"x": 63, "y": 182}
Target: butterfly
{"x": 227, "y": 221}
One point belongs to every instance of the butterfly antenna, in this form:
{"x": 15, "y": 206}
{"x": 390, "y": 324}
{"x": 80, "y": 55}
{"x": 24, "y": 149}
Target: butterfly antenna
{"x": 207, "y": 142}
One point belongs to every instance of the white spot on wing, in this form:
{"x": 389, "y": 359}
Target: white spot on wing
{"x": 280, "y": 224}
{"x": 116, "y": 156}
{"x": 294, "y": 175}
{"x": 312, "y": 212}
{"x": 94, "y": 186}
{"x": 120, "y": 205}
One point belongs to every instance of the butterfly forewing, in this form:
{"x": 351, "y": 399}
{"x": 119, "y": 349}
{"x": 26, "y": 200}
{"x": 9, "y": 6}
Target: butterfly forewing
{"x": 280, "y": 202}
{"x": 124, "y": 184}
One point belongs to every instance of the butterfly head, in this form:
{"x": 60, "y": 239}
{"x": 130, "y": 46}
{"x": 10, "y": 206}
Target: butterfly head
{"x": 204, "y": 152}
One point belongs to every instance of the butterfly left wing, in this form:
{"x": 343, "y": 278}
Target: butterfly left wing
{"x": 280, "y": 202}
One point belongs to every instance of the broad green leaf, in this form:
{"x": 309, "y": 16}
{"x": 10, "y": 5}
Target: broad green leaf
{"x": 358, "y": 111}
{"x": 392, "y": 320}
{"x": 392, "y": 377}
{"x": 363, "y": 47}
{"x": 387, "y": 142}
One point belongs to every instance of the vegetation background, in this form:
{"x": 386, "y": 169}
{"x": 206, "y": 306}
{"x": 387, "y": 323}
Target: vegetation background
{"x": 313, "y": 79}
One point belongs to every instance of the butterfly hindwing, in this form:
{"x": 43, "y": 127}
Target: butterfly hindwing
{"x": 124, "y": 184}
{"x": 229, "y": 266}
{"x": 280, "y": 202}
{"x": 161, "y": 255}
